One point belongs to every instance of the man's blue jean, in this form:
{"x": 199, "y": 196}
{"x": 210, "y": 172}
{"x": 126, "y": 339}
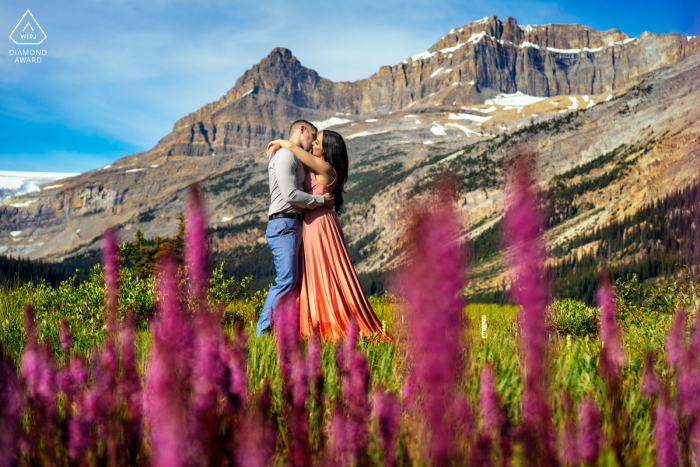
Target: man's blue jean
{"x": 284, "y": 239}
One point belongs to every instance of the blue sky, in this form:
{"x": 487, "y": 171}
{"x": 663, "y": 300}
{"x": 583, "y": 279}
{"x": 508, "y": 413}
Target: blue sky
{"x": 119, "y": 73}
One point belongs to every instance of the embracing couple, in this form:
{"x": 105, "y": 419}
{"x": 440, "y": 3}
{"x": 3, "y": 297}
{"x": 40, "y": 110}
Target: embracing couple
{"x": 311, "y": 258}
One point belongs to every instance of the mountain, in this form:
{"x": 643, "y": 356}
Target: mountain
{"x": 611, "y": 120}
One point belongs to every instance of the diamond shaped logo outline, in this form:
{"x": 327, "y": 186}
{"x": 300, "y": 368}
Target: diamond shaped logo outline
{"x": 35, "y": 22}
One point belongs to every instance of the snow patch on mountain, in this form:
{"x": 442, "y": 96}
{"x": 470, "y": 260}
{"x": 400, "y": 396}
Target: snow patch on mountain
{"x": 474, "y": 118}
{"x": 515, "y": 99}
{"x": 365, "y": 133}
{"x": 330, "y": 122}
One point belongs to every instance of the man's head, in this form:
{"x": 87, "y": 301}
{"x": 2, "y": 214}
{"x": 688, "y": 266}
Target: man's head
{"x": 302, "y": 133}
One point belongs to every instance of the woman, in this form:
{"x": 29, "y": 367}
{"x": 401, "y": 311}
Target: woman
{"x": 330, "y": 290}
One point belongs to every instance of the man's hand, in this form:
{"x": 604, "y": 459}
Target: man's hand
{"x": 272, "y": 148}
{"x": 329, "y": 201}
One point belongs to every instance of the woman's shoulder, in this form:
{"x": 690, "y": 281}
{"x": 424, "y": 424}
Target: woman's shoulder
{"x": 335, "y": 179}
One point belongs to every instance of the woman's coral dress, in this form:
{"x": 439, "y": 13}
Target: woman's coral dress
{"x": 330, "y": 290}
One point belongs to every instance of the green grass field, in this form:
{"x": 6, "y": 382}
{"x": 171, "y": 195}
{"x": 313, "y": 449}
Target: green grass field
{"x": 572, "y": 358}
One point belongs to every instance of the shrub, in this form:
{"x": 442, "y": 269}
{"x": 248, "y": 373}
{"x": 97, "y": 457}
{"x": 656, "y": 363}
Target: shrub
{"x": 573, "y": 317}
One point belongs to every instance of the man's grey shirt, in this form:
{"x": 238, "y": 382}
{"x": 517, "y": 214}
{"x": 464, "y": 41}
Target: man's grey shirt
{"x": 287, "y": 185}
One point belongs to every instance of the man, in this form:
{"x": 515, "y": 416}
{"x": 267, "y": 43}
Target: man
{"x": 287, "y": 204}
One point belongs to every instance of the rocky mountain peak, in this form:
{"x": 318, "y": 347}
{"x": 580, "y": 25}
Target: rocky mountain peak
{"x": 279, "y": 74}
{"x": 566, "y": 37}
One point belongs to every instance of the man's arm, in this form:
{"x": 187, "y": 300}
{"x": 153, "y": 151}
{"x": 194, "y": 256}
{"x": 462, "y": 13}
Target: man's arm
{"x": 285, "y": 171}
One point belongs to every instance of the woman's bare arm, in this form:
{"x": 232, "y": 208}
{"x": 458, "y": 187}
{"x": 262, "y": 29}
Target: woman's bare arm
{"x": 315, "y": 164}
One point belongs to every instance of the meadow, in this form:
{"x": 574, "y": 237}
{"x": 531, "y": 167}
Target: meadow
{"x": 168, "y": 371}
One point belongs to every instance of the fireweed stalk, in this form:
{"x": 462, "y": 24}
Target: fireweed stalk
{"x": 523, "y": 223}
{"x": 11, "y": 402}
{"x": 387, "y": 412}
{"x": 105, "y": 373}
{"x": 434, "y": 316}
{"x": 684, "y": 359}
{"x": 650, "y": 382}
{"x": 129, "y": 395}
{"x": 590, "y": 436}
{"x": 612, "y": 359}
{"x": 349, "y": 422}
{"x": 316, "y": 384}
{"x": 494, "y": 419}
{"x": 196, "y": 246}
{"x": 167, "y": 376}
{"x": 207, "y": 367}
{"x": 233, "y": 379}
{"x": 462, "y": 420}
{"x": 666, "y": 434}
{"x": 39, "y": 376}
{"x": 256, "y": 446}
{"x": 206, "y": 374}
{"x": 293, "y": 371}
{"x": 355, "y": 383}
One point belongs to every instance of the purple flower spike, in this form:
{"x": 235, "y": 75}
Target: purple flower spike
{"x": 129, "y": 390}
{"x": 612, "y": 356}
{"x": 675, "y": 345}
{"x": 78, "y": 371}
{"x": 388, "y": 414}
{"x": 590, "y": 431}
{"x": 315, "y": 365}
{"x": 687, "y": 372}
{"x": 524, "y": 221}
{"x": 130, "y": 377}
{"x": 434, "y": 312}
{"x": 65, "y": 335}
{"x": 569, "y": 447}
{"x": 494, "y": 419}
{"x": 523, "y": 224}
{"x": 355, "y": 390}
{"x": 666, "y": 435}
{"x": 299, "y": 420}
{"x": 79, "y": 426}
{"x": 463, "y": 419}
{"x": 38, "y": 368}
{"x": 695, "y": 335}
{"x": 168, "y": 372}
{"x": 293, "y": 372}
{"x": 196, "y": 245}
{"x": 408, "y": 392}
{"x": 233, "y": 382}
{"x": 338, "y": 433}
{"x": 287, "y": 334}
{"x": 110, "y": 261}
{"x": 650, "y": 383}
{"x": 257, "y": 444}
{"x": 206, "y": 376}
{"x": 481, "y": 452}
{"x": 492, "y": 416}
{"x": 11, "y": 402}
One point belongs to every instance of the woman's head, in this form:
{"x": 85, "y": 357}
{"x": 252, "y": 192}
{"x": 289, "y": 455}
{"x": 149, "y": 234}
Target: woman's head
{"x": 331, "y": 146}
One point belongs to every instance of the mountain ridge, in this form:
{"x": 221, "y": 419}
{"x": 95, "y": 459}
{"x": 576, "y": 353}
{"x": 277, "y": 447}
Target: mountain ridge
{"x": 440, "y": 122}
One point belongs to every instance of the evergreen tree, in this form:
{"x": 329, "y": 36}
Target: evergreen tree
{"x": 142, "y": 256}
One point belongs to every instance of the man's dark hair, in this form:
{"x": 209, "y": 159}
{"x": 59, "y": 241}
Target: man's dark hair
{"x": 298, "y": 123}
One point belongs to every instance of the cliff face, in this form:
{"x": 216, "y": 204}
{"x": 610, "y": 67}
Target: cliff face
{"x": 480, "y": 82}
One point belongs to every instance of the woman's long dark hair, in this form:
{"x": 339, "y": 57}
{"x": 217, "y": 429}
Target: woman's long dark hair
{"x": 336, "y": 154}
